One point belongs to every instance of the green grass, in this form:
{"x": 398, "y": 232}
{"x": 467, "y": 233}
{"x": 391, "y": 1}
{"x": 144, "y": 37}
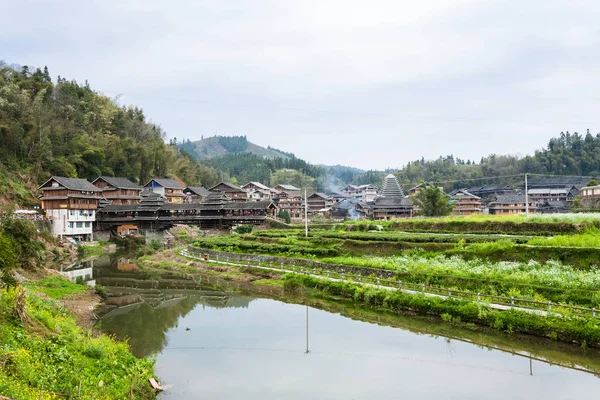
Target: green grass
{"x": 54, "y": 351}
{"x": 57, "y": 287}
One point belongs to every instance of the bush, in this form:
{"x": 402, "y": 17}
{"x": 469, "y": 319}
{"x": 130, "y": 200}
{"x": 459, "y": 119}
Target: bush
{"x": 245, "y": 228}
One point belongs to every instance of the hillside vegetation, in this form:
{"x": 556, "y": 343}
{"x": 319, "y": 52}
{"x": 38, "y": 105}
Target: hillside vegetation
{"x": 66, "y": 128}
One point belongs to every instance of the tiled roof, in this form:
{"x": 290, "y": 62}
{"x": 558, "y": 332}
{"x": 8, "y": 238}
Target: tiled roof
{"x": 119, "y": 183}
{"x": 391, "y": 187}
{"x": 289, "y": 187}
{"x": 198, "y": 190}
{"x": 257, "y": 184}
{"x": 231, "y": 187}
{"x": 167, "y": 183}
{"x": 82, "y": 185}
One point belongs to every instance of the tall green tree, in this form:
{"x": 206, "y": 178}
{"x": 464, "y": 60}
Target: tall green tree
{"x": 432, "y": 202}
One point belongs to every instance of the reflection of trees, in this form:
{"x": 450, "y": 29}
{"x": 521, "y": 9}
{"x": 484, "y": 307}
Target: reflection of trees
{"x": 146, "y": 327}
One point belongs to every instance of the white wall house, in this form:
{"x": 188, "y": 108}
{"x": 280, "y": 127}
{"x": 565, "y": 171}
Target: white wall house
{"x": 70, "y": 204}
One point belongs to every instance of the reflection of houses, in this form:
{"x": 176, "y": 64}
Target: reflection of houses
{"x": 125, "y": 265}
{"x": 170, "y": 189}
{"x": 70, "y": 204}
{"x": 195, "y": 194}
{"x": 118, "y": 190}
{"x": 510, "y": 204}
{"x": 466, "y": 203}
{"x": 319, "y": 202}
{"x": 233, "y": 192}
{"x": 257, "y": 191}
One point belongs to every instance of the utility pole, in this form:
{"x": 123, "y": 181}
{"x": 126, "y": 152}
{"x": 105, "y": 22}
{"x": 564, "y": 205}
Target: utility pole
{"x": 526, "y": 198}
{"x": 305, "y": 214}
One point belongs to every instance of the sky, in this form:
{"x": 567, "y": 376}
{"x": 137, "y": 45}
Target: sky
{"x": 368, "y": 84}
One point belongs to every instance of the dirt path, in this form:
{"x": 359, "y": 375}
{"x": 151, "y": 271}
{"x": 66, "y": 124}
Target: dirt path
{"x": 82, "y": 306}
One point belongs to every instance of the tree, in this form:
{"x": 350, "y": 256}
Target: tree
{"x": 593, "y": 182}
{"x": 285, "y": 215}
{"x": 433, "y": 202}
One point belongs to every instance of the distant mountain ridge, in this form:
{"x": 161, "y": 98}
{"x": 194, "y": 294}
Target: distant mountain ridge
{"x": 219, "y": 146}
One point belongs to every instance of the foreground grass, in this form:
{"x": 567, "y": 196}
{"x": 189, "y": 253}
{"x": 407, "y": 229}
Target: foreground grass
{"x": 51, "y": 350}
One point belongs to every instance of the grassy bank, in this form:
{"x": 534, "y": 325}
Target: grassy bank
{"x": 43, "y": 345}
{"x": 583, "y": 331}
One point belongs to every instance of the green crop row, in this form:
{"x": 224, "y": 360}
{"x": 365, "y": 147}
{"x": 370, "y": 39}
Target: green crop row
{"x": 585, "y": 331}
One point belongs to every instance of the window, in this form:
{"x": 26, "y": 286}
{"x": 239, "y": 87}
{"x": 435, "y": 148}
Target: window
{"x": 81, "y": 212}
{"x": 71, "y": 225}
{"x": 79, "y": 224}
{"x": 87, "y": 224}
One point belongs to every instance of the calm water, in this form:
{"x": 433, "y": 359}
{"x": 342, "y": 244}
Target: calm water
{"x": 213, "y": 344}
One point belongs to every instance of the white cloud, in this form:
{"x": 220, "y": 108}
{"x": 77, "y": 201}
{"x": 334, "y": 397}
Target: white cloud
{"x": 447, "y": 75}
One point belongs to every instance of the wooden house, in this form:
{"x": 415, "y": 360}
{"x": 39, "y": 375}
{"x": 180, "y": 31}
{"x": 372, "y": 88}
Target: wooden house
{"x": 511, "y": 204}
{"x": 195, "y": 194}
{"x": 590, "y": 192}
{"x": 118, "y": 190}
{"x": 287, "y": 188}
{"x": 170, "y": 189}
{"x": 257, "y": 191}
{"x": 319, "y": 202}
{"x": 290, "y": 201}
{"x": 70, "y": 204}
{"x": 235, "y": 193}
{"x": 466, "y": 203}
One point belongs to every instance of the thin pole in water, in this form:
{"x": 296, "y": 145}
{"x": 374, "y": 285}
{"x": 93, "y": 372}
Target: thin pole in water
{"x": 530, "y": 366}
{"x": 307, "y": 329}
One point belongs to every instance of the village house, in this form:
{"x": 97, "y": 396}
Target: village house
{"x": 287, "y": 188}
{"x": 235, "y": 193}
{"x": 257, "y": 191}
{"x": 290, "y": 201}
{"x": 319, "y": 202}
{"x": 566, "y": 194}
{"x": 488, "y": 193}
{"x": 170, "y": 189}
{"x": 118, "y": 190}
{"x": 590, "y": 192}
{"x": 510, "y": 205}
{"x": 70, "y": 204}
{"x": 195, "y": 194}
{"x": 466, "y": 203}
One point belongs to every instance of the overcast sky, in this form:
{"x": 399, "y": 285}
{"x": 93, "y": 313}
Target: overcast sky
{"x": 369, "y": 84}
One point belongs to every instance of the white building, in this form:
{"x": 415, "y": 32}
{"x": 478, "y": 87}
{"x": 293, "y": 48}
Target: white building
{"x": 70, "y": 204}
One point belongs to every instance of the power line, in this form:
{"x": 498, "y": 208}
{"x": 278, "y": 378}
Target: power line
{"x": 478, "y": 179}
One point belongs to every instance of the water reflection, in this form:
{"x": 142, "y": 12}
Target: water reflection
{"x": 212, "y": 343}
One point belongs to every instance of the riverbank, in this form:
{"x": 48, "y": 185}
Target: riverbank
{"x": 50, "y": 348}
{"x": 283, "y": 288}
{"x": 560, "y": 325}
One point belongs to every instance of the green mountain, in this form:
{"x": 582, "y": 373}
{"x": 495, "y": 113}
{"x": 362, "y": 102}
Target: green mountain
{"x": 219, "y": 146}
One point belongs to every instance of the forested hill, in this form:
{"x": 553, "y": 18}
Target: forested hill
{"x": 567, "y": 154}
{"x": 66, "y": 128}
{"x": 219, "y": 146}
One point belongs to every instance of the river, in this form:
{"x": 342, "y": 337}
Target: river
{"x": 213, "y": 342}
